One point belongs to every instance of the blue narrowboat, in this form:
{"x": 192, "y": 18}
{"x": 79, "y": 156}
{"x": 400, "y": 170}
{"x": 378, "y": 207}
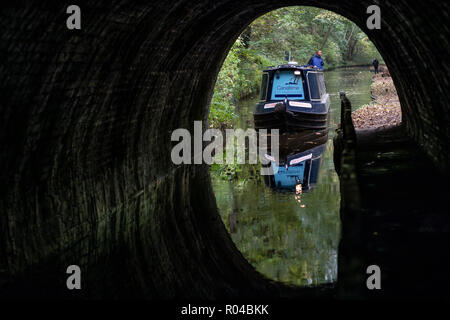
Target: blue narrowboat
{"x": 292, "y": 97}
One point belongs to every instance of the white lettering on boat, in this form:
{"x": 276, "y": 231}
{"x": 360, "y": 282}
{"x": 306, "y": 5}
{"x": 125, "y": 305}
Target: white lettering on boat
{"x": 279, "y": 88}
{"x": 301, "y": 159}
{"x": 270, "y": 105}
{"x": 300, "y": 104}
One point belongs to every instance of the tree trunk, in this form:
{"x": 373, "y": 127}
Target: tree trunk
{"x": 326, "y": 38}
{"x": 351, "y": 34}
{"x": 351, "y": 48}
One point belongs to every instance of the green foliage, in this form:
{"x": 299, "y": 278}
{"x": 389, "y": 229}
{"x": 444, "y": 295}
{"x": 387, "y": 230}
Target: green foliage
{"x": 366, "y": 52}
{"x": 228, "y": 75}
{"x": 221, "y": 113}
{"x": 333, "y": 57}
{"x": 239, "y": 77}
{"x": 236, "y": 172}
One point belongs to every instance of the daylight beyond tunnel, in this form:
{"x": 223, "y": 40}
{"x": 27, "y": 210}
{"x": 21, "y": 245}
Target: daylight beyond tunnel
{"x": 85, "y": 138}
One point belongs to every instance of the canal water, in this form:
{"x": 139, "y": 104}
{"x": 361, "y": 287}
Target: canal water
{"x": 286, "y": 235}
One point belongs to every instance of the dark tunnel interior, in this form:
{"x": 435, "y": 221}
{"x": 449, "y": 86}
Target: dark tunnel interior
{"x": 85, "y": 131}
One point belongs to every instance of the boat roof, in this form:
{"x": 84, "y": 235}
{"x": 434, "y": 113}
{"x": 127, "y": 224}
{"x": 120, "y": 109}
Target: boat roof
{"x": 287, "y": 66}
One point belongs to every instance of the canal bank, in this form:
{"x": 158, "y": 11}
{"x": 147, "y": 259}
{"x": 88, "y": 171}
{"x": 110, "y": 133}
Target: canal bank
{"x": 384, "y": 110}
{"x": 394, "y": 213}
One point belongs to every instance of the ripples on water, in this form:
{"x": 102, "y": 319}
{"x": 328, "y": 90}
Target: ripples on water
{"x": 286, "y": 236}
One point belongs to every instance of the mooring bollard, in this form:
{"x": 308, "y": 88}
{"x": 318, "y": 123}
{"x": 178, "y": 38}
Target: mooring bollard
{"x": 348, "y": 129}
{"x": 351, "y": 277}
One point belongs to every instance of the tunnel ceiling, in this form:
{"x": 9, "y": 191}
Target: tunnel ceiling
{"x": 85, "y": 137}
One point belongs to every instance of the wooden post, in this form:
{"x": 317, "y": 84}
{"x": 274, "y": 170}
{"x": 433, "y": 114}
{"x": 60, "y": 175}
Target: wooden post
{"x": 351, "y": 267}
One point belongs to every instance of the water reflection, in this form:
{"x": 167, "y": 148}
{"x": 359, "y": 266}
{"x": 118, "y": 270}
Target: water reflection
{"x": 300, "y": 156}
{"x": 287, "y": 224}
{"x": 287, "y": 234}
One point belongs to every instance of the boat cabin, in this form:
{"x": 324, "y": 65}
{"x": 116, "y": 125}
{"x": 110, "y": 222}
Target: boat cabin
{"x": 292, "y": 97}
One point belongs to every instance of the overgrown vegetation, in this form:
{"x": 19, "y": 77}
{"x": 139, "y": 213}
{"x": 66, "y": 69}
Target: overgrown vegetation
{"x": 301, "y": 31}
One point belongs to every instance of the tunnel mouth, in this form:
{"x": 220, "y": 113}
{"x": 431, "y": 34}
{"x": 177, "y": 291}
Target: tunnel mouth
{"x": 289, "y": 233}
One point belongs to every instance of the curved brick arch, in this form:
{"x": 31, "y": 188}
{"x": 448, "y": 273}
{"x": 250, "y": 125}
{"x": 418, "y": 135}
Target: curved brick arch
{"x": 85, "y": 130}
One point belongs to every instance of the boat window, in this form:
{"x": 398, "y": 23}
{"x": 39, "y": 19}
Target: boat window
{"x": 321, "y": 83}
{"x": 265, "y": 80}
{"x": 286, "y": 84}
{"x": 314, "y": 88}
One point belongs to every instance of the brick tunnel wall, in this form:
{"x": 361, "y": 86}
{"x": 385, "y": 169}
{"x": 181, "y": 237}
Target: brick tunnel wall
{"x": 85, "y": 137}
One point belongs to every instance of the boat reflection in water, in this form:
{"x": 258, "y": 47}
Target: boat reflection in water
{"x": 300, "y": 156}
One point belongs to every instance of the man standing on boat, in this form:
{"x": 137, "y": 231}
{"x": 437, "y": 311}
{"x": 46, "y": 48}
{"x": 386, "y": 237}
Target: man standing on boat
{"x": 316, "y": 60}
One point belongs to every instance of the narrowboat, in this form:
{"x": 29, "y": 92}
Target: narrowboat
{"x": 298, "y": 165}
{"x": 292, "y": 97}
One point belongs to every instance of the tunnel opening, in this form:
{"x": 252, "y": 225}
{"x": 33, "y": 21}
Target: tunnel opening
{"x": 87, "y": 116}
{"x": 288, "y": 234}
